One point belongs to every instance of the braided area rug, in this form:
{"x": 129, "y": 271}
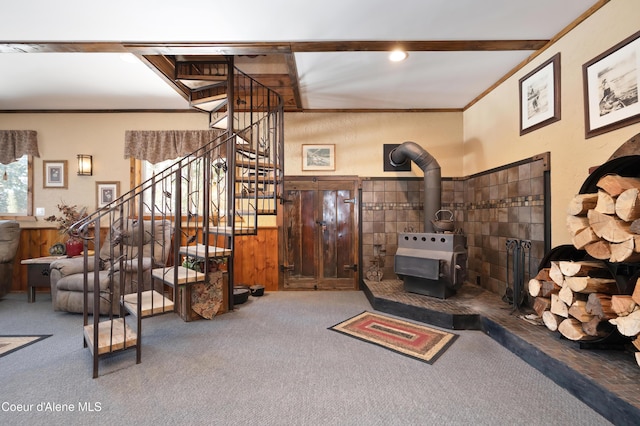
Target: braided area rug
{"x": 407, "y": 338}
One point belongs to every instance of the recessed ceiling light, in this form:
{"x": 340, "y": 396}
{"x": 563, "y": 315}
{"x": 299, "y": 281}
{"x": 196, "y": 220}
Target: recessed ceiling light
{"x": 398, "y": 55}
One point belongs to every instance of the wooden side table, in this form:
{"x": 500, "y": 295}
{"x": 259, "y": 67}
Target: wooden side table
{"x": 38, "y": 274}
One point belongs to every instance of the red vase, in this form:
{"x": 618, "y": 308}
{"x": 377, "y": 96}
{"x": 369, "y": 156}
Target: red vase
{"x": 74, "y": 247}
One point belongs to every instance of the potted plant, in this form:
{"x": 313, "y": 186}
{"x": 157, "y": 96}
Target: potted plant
{"x": 68, "y": 216}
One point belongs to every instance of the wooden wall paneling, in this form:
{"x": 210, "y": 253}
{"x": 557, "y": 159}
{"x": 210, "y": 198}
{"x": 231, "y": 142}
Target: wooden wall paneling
{"x": 256, "y": 259}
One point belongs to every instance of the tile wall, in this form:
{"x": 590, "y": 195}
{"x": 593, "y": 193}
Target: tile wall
{"x": 491, "y": 207}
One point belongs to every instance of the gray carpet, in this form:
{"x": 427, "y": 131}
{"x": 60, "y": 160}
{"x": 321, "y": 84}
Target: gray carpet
{"x": 270, "y": 362}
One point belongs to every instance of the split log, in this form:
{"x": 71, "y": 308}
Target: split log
{"x": 534, "y": 287}
{"x": 556, "y": 274}
{"x": 582, "y": 268}
{"x": 571, "y": 328}
{"x": 610, "y": 228}
{"x": 628, "y": 205}
{"x": 539, "y": 288}
{"x": 599, "y": 304}
{"x": 592, "y": 327}
{"x": 551, "y": 320}
{"x": 567, "y": 295}
{"x": 615, "y": 185}
{"x": 637, "y": 355}
{"x": 599, "y": 250}
{"x": 548, "y": 288}
{"x": 583, "y": 238}
{"x": 606, "y": 203}
{"x": 543, "y": 275}
{"x": 592, "y": 285}
{"x": 578, "y": 310}
{"x": 582, "y": 203}
{"x": 629, "y": 325}
{"x": 624, "y": 251}
{"x": 636, "y": 343}
{"x": 576, "y": 224}
{"x": 622, "y": 304}
{"x": 636, "y": 293}
{"x": 558, "y": 307}
{"x": 541, "y": 304}
{"x": 635, "y": 226}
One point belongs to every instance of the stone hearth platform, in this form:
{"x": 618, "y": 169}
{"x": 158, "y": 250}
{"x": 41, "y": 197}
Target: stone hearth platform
{"x": 608, "y": 380}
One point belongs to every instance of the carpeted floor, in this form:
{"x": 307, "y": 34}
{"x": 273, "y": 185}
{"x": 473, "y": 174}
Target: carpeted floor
{"x": 273, "y": 361}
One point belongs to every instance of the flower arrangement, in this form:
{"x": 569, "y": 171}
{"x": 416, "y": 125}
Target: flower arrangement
{"x": 68, "y": 216}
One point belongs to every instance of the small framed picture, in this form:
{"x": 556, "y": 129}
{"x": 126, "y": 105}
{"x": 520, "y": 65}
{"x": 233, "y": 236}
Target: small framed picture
{"x": 106, "y": 193}
{"x": 611, "y": 88}
{"x": 540, "y": 96}
{"x": 318, "y": 157}
{"x": 54, "y": 174}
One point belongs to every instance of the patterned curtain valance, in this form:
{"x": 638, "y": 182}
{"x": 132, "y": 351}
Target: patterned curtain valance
{"x": 155, "y": 146}
{"x": 16, "y": 143}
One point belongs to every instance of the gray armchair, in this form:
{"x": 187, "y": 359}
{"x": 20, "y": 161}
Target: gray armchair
{"x": 118, "y": 255}
{"x": 9, "y": 241}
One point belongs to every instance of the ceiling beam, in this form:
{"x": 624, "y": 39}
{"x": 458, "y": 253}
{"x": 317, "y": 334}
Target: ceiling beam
{"x": 261, "y": 48}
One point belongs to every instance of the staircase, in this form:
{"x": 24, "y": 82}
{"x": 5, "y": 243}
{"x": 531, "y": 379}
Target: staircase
{"x": 208, "y": 199}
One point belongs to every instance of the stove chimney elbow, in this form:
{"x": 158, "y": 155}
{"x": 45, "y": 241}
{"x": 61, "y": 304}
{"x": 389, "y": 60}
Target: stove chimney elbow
{"x": 432, "y": 178}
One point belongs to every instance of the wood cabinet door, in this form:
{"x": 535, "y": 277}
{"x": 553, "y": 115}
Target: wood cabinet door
{"x": 320, "y": 234}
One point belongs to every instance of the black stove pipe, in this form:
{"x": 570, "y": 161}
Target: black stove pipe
{"x": 432, "y": 180}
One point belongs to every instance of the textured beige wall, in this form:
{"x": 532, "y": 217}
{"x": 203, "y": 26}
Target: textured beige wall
{"x": 491, "y": 126}
{"x": 359, "y": 140}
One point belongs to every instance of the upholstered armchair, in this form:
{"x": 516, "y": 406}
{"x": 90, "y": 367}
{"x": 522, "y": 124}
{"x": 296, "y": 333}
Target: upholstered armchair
{"x": 118, "y": 262}
{"x": 9, "y": 241}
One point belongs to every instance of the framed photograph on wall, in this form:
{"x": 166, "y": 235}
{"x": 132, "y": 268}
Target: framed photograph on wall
{"x": 54, "y": 174}
{"x": 318, "y": 157}
{"x": 540, "y": 96}
{"x": 106, "y": 192}
{"x": 611, "y": 88}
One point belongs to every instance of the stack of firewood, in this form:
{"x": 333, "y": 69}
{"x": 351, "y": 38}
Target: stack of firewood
{"x": 607, "y": 224}
{"x": 580, "y": 301}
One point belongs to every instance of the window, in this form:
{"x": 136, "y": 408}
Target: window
{"x": 192, "y": 186}
{"x": 16, "y": 188}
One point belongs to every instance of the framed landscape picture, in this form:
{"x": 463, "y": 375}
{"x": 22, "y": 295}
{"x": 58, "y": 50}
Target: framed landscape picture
{"x": 540, "y": 96}
{"x": 106, "y": 192}
{"x": 54, "y": 174}
{"x": 318, "y": 157}
{"x": 611, "y": 88}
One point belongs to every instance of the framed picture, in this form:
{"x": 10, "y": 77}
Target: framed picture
{"x": 106, "y": 192}
{"x": 611, "y": 88}
{"x": 54, "y": 174}
{"x": 318, "y": 157}
{"x": 540, "y": 96}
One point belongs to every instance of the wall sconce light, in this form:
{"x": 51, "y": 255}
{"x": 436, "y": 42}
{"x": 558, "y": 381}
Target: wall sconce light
{"x": 85, "y": 165}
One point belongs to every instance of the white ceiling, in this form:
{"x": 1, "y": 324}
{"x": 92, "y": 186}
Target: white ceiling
{"x": 328, "y": 80}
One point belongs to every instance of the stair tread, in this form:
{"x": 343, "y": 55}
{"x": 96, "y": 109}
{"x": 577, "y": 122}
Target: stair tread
{"x": 152, "y": 303}
{"x": 198, "y": 250}
{"x": 252, "y": 164}
{"x": 185, "y": 275}
{"x": 105, "y": 334}
{"x": 259, "y": 179}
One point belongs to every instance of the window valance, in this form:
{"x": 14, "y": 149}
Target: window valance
{"x": 155, "y": 146}
{"x": 16, "y": 143}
